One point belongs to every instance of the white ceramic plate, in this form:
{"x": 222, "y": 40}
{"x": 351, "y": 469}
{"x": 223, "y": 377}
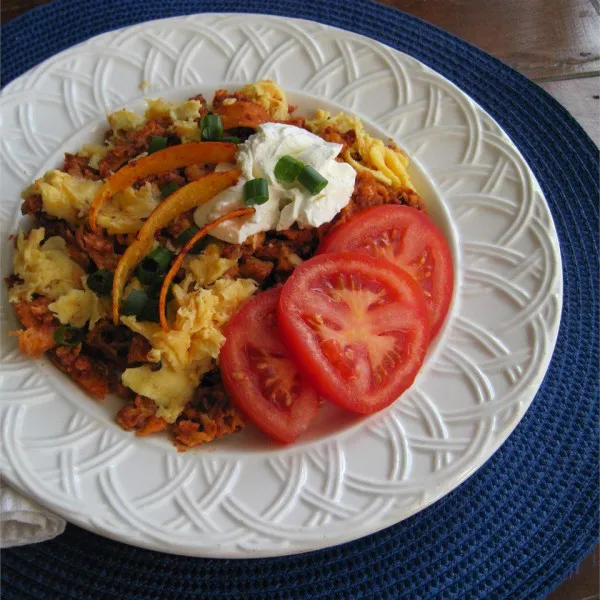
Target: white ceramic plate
{"x": 242, "y": 496}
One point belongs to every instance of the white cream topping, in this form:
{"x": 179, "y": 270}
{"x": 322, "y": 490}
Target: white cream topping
{"x": 288, "y": 203}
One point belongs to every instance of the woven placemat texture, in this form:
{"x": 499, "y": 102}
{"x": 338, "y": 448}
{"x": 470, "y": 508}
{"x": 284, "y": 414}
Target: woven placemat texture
{"x": 526, "y": 519}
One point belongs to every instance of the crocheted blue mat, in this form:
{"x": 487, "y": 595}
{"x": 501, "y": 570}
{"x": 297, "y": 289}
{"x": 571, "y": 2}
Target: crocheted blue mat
{"x": 524, "y": 521}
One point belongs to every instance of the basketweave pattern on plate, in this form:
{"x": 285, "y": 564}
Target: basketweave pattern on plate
{"x": 484, "y": 375}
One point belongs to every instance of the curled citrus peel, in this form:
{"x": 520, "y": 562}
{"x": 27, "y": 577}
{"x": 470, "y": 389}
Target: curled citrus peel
{"x": 174, "y": 157}
{"x": 162, "y": 299}
{"x": 189, "y": 196}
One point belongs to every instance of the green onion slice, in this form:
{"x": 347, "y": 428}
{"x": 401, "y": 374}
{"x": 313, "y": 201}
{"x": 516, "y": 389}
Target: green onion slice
{"x": 232, "y": 139}
{"x": 256, "y": 191}
{"x": 134, "y": 303}
{"x": 150, "y": 311}
{"x": 168, "y": 189}
{"x": 153, "y": 290}
{"x": 100, "y": 281}
{"x": 312, "y": 180}
{"x": 157, "y": 142}
{"x": 153, "y": 265}
{"x": 183, "y": 238}
{"x": 287, "y": 169}
{"x": 212, "y": 128}
{"x": 66, "y": 335}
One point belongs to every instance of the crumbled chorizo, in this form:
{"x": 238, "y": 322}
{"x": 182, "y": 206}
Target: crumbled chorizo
{"x": 134, "y": 143}
{"x": 91, "y": 375}
{"x": 135, "y": 414}
{"x": 34, "y": 341}
{"x": 254, "y": 268}
{"x": 99, "y": 246}
{"x": 209, "y": 416}
{"x": 114, "y": 342}
{"x": 138, "y": 351}
{"x": 32, "y": 205}
{"x": 79, "y": 166}
{"x": 34, "y": 313}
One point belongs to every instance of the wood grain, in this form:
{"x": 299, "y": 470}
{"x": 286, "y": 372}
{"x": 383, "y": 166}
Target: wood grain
{"x": 540, "y": 38}
{"x": 581, "y": 97}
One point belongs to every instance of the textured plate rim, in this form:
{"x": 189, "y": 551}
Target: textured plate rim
{"x": 356, "y": 533}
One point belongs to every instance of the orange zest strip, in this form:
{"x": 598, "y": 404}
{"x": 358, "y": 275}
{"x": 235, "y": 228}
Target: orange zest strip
{"x": 174, "y": 157}
{"x": 189, "y": 196}
{"x": 162, "y": 300}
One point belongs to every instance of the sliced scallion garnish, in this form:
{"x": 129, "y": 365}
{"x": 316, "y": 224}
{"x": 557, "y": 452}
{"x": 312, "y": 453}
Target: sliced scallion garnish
{"x": 256, "y": 191}
{"x": 157, "y": 142}
{"x": 150, "y": 311}
{"x": 312, "y": 180}
{"x": 154, "y": 265}
{"x": 168, "y": 189}
{"x": 100, "y": 281}
{"x": 211, "y": 127}
{"x": 134, "y": 303}
{"x": 183, "y": 238}
{"x": 66, "y": 335}
{"x": 287, "y": 169}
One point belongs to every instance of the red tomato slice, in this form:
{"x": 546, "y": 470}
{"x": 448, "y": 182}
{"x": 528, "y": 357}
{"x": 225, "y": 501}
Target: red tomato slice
{"x": 259, "y": 375}
{"x": 408, "y": 238}
{"x": 356, "y": 326}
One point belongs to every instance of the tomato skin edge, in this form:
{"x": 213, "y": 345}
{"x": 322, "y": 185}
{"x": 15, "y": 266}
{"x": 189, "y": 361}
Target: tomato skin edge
{"x": 337, "y": 239}
{"x": 274, "y": 428}
{"x": 313, "y": 372}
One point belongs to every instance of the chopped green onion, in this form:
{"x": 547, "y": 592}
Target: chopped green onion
{"x": 154, "y": 290}
{"x": 100, "y": 281}
{"x": 183, "y": 238}
{"x": 287, "y": 169}
{"x": 66, "y": 335}
{"x": 157, "y": 142}
{"x": 256, "y": 191}
{"x": 150, "y": 311}
{"x": 212, "y": 128}
{"x": 168, "y": 189}
{"x": 232, "y": 139}
{"x": 153, "y": 265}
{"x": 312, "y": 180}
{"x": 134, "y": 303}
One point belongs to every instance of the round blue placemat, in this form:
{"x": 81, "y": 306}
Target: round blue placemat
{"x": 515, "y": 529}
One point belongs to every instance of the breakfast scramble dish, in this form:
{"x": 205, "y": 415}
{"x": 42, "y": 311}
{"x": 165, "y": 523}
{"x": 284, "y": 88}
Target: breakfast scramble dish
{"x": 215, "y": 264}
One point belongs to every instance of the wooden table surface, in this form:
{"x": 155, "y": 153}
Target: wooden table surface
{"x": 556, "y": 43}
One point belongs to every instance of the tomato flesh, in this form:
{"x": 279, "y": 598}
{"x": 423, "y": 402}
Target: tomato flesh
{"x": 356, "y": 326}
{"x": 407, "y": 238}
{"x": 259, "y": 375}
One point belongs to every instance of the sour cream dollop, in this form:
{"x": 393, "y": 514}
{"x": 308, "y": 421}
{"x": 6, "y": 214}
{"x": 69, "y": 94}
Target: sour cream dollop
{"x": 288, "y": 203}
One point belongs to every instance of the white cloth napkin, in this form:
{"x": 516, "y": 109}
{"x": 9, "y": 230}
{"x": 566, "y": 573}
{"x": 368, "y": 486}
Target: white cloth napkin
{"x": 22, "y": 521}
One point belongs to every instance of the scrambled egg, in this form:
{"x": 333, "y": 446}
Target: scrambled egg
{"x": 125, "y": 212}
{"x": 45, "y": 269}
{"x": 77, "y": 307}
{"x": 190, "y": 348}
{"x": 208, "y": 267}
{"x": 388, "y": 165}
{"x": 95, "y": 153}
{"x": 270, "y": 96}
{"x": 69, "y": 198}
{"x": 170, "y": 390}
{"x": 160, "y": 109}
{"x": 125, "y": 120}
{"x": 63, "y": 196}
